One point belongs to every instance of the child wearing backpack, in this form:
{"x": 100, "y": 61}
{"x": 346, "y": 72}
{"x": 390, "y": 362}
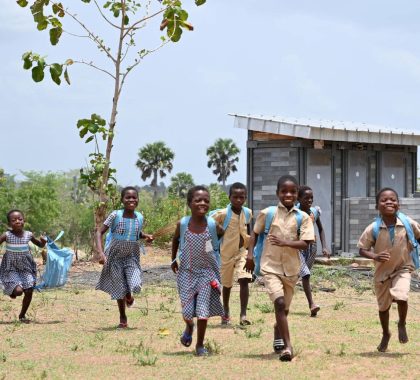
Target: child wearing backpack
{"x": 198, "y": 275}
{"x": 121, "y": 273}
{"x": 307, "y": 256}
{"x": 288, "y": 230}
{"x": 18, "y": 268}
{"x": 235, "y": 219}
{"x": 392, "y": 236}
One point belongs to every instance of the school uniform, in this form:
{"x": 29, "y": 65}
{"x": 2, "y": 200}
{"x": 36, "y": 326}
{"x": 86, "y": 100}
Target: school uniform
{"x": 280, "y": 266}
{"x": 233, "y": 257}
{"x": 392, "y": 278}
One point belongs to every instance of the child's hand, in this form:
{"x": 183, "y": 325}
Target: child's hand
{"x": 148, "y": 238}
{"x": 275, "y": 240}
{"x": 174, "y": 267}
{"x": 326, "y": 253}
{"x": 249, "y": 265}
{"x": 382, "y": 256}
{"x": 102, "y": 258}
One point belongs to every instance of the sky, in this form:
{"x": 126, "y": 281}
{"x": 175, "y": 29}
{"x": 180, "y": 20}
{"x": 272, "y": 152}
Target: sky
{"x": 348, "y": 61}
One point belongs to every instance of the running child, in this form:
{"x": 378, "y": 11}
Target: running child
{"x": 121, "y": 273}
{"x": 235, "y": 219}
{"x": 280, "y": 261}
{"x": 198, "y": 275}
{"x": 307, "y": 256}
{"x": 393, "y": 263}
{"x": 18, "y": 268}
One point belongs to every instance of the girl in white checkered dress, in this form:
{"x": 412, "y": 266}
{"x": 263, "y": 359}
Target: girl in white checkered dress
{"x": 306, "y": 198}
{"x": 198, "y": 274}
{"x": 18, "y": 268}
{"x": 121, "y": 274}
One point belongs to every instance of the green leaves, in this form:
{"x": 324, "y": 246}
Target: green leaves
{"x": 38, "y": 73}
{"x": 43, "y": 21}
{"x": 174, "y": 19}
{"x": 92, "y": 126}
{"x": 199, "y": 2}
{"x": 55, "y": 71}
{"x": 55, "y": 34}
{"x": 22, "y": 3}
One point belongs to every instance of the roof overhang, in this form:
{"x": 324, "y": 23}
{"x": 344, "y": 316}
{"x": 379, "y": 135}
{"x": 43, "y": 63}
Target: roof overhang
{"x": 327, "y": 130}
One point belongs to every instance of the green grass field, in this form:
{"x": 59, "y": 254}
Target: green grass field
{"x": 73, "y": 336}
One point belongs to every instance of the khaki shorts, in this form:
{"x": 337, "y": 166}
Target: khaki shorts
{"x": 395, "y": 288}
{"x": 280, "y": 286}
{"x": 234, "y": 267}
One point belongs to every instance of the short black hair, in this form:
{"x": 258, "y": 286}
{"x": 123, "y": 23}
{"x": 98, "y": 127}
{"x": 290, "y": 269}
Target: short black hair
{"x": 11, "y": 212}
{"x": 378, "y": 194}
{"x": 302, "y": 190}
{"x": 193, "y": 189}
{"x": 128, "y": 188}
{"x": 235, "y": 186}
{"x": 286, "y": 178}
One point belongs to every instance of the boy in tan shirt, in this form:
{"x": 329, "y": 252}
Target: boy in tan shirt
{"x": 393, "y": 262}
{"x": 236, "y": 218}
{"x": 280, "y": 261}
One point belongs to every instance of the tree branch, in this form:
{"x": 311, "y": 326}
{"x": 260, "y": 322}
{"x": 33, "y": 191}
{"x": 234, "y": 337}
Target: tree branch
{"x": 96, "y": 67}
{"x": 133, "y": 27}
{"x": 104, "y": 17}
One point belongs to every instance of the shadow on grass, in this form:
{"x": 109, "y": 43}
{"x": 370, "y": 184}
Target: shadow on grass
{"x": 178, "y": 353}
{"x": 300, "y": 313}
{"x": 31, "y": 323}
{"x": 221, "y": 327}
{"x": 269, "y": 356}
{"x": 115, "y": 328}
{"x": 377, "y": 354}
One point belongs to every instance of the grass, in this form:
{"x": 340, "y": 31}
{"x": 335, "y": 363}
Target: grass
{"x": 74, "y": 336}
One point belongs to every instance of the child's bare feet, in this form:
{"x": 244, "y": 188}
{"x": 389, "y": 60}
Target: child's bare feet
{"x": 383, "y": 346}
{"x": 402, "y": 333}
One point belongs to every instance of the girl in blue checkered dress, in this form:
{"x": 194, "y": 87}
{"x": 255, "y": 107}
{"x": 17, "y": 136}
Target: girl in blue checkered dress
{"x": 198, "y": 274}
{"x": 121, "y": 273}
{"x": 18, "y": 268}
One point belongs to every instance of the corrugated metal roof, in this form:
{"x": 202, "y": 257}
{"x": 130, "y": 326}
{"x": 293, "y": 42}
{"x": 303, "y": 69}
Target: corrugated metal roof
{"x": 327, "y": 130}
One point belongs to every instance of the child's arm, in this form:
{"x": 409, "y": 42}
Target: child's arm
{"x": 366, "y": 242}
{"x": 250, "y": 265}
{"x": 321, "y": 231}
{"x": 220, "y": 231}
{"x": 175, "y": 246}
{"x": 99, "y": 246}
{"x": 148, "y": 237}
{"x": 2, "y": 238}
{"x": 381, "y": 256}
{"x": 39, "y": 243}
{"x": 296, "y": 244}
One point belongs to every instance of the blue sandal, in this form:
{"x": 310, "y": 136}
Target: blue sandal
{"x": 201, "y": 351}
{"x": 186, "y": 339}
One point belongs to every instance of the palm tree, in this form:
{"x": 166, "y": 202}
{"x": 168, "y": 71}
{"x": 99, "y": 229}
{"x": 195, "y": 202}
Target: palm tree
{"x": 223, "y": 155}
{"x": 180, "y": 183}
{"x": 154, "y": 160}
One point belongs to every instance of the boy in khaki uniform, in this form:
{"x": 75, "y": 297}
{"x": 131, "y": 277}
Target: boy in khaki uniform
{"x": 233, "y": 249}
{"x": 280, "y": 261}
{"x": 393, "y": 262}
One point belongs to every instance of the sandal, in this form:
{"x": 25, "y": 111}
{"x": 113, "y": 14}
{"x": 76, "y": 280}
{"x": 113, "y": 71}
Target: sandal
{"x": 24, "y": 320}
{"x": 286, "y": 355}
{"x": 122, "y": 325}
{"x": 129, "y": 302}
{"x": 278, "y": 345}
{"x": 201, "y": 351}
{"x": 186, "y": 339}
{"x": 315, "y": 310}
{"x": 245, "y": 322}
{"x": 225, "y": 320}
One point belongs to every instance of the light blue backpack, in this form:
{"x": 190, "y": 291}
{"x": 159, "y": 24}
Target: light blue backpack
{"x": 112, "y": 235}
{"x": 259, "y": 247}
{"x": 211, "y": 223}
{"x": 58, "y": 265}
{"x": 410, "y": 235}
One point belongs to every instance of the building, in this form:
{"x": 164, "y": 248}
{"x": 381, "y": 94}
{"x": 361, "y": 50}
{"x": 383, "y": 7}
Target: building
{"x": 345, "y": 164}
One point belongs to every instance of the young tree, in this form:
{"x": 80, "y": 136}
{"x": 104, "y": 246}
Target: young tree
{"x": 223, "y": 155}
{"x": 154, "y": 160}
{"x": 126, "y": 18}
{"x": 180, "y": 183}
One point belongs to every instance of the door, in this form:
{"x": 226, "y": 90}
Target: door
{"x": 318, "y": 177}
{"x": 357, "y": 173}
{"x": 393, "y": 171}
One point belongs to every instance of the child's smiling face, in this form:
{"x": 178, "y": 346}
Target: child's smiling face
{"x": 306, "y": 200}
{"x": 388, "y": 203}
{"x": 287, "y": 194}
{"x": 130, "y": 200}
{"x": 16, "y": 221}
{"x": 200, "y": 203}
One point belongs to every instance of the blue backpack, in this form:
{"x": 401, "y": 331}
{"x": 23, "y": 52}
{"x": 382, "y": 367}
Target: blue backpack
{"x": 410, "y": 235}
{"x": 112, "y": 235}
{"x": 259, "y": 247}
{"x": 211, "y": 223}
{"x": 314, "y": 211}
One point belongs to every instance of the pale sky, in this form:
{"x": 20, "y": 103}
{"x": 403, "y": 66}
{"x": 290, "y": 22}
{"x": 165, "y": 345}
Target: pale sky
{"x": 352, "y": 61}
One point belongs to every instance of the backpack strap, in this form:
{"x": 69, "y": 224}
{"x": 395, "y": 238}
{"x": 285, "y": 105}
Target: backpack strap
{"x": 299, "y": 218}
{"x": 247, "y": 213}
{"x": 269, "y": 219}
{"x": 412, "y": 239}
{"x": 183, "y": 228}
{"x": 315, "y": 212}
{"x": 228, "y": 217}
{"x": 211, "y": 224}
{"x": 376, "y": 227}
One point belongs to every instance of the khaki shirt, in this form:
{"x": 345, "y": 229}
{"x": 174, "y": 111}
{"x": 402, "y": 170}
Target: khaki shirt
{"x": 400, "y": 250}
{"x": 283, "y": 260}
{"x": 237, "y": 227}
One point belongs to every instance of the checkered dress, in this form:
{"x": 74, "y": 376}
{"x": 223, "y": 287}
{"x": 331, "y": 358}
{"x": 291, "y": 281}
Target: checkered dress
{"x": 121, "y": 273}
{"x": 307, "y": 259}
{"x": 18, "y": 267}
{"x": 198, "y": 267}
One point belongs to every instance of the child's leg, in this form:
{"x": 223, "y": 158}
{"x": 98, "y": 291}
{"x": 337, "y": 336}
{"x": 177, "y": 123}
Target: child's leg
{"x": 123, "y": 316}
{"x": 308, "y": 293}
{"x": 226, "y": 297}
{"x": 402, "y": 314}
{"x": 201, "y": 333}
{"x": 244, "y": 297}
{"x": 386, "y": 334}
{"x": 281, "y": 320}
{"x": 27, "y": 298}
{"x": 17, "y": 292}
